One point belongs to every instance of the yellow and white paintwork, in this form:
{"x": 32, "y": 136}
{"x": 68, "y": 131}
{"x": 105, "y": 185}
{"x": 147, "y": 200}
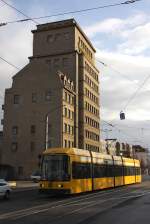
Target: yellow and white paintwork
{"x": 102, "y": 183}
{"x": 138, "y": 177}
{"x": 119, "y": 181}
{"x": 85, "y": 185}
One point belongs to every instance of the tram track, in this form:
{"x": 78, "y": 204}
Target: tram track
{"x": 58, "y": 203}
{"x": 101, "y": 197}
{"x": 115, "y": 201}
{"x": 105, "y": 203}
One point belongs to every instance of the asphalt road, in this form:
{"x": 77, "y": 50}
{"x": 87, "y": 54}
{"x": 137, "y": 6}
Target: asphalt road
{"x": 130, "y": 204}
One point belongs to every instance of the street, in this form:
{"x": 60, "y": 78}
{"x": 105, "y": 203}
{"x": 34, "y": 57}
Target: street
{"x": 129, "y": 204}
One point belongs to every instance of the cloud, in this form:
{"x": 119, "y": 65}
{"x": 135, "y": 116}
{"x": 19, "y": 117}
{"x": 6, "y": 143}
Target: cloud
{"x": 119, "y": 81}
{"x": 106, "y": 26}
{"x": 116, "y": 25}
{"x": 133, "y": 132}
{"x": 127, "y": 57}
{"x": 137, "y": 40}
{"x": 132, "y": 32}
{"x": 16, "y": 46}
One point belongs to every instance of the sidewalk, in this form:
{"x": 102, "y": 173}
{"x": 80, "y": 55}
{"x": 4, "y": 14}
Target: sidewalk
{"x": 23, "y": 185}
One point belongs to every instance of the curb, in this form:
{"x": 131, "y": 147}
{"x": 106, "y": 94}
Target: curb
{"x": 17, "y": 190}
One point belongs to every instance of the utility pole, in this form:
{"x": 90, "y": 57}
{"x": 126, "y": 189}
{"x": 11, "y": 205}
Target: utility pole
{"x": 47, "y": 125}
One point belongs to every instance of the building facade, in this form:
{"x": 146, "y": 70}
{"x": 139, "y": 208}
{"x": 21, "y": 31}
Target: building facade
{"x": 143, "y": 155}
{"x": 1, "y": 145}
{"x": 54, "y": 99}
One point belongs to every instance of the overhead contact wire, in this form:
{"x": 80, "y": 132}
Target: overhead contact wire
{"x": 64, "y": 13}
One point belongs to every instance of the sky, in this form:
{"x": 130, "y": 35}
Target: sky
{"x": 121, "y": 36}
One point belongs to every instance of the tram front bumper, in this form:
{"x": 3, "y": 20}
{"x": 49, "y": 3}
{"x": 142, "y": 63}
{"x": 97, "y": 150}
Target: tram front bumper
{"x": 54, "y": 191}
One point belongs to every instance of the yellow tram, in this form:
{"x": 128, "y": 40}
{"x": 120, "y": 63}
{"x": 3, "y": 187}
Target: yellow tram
{"x": 72, "y": 170}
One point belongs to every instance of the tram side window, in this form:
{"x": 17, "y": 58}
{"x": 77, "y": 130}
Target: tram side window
{"x": 133, "y": 170}
{"x": 98, "y": 171}
{"x": 125, "y": 171}
{"x": 81, "y": 170}
{"x": 102, "y": 171}
{"x": 129, "y": 171}
{"x": 110, "y": 171}
{"x": 138, "y": 171}
{"x": 118, "y": 171}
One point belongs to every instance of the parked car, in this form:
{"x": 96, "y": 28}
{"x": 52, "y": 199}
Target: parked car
{"x": 5, "y": 189}
{"x": 35, "y": 176}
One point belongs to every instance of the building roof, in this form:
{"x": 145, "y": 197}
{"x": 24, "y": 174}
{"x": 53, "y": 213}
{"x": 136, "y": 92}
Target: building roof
{"x": 60, "y": 24}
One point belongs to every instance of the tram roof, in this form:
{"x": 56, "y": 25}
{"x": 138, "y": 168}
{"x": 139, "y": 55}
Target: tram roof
{"x": 137, "y": 162}
{"x": 83, "y": 152}
{"x": 69, "y": 151}
{"x": 101, "y": 155}
{"x": 128, "y": 161}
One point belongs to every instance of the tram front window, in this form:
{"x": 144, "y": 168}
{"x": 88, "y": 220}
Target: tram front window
{"x": 55, "y": 168}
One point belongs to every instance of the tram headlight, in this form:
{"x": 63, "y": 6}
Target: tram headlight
{"x": 60, "y": 185}
{"x": 41, "y": 185}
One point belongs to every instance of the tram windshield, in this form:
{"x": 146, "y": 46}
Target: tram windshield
{"x": 55, "y": 168}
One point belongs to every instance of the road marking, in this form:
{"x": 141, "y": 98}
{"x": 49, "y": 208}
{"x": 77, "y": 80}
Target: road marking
{"x": 81, "y": 197}
{"x": 39, "y": 209}
{"x": 95, "y": 203}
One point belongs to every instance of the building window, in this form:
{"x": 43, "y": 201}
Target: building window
{"x": 33, "y": 129}
{"x": 69, "y": 144}
{"x": 50, "y": 38}
{"x": 69, "y": 129}
{"x": 50, "y": 129}
{"x": 72, "y": 130}
{"x": 14, "y": 130}
{"x": 65, "y": 128}
{"x": 65, "y": 62}
{"x": 69, "y": 98}
{"x": 65, "y": 143}
{"x": 16, "y": 99}
{"x": 66, "y": 35}
{"x": 48, "y": 95}
{"x": 49, "y": 62}
{"x": 14, "y": 146}
{"x": 65, "y": 112}
{"x": 34, "y": 97}
{"x": 20, "y": 171}
{"x": 32, "y": 146}
{"x": 69, "y": 113}
{"x": 56, "y": 62}
{"x": 57, "y": 36}
{"x": 50, "y": 142}
{"x": 72, "y": 100}
{"x": 65, "y": 96}
{"x": 72, "y": 115}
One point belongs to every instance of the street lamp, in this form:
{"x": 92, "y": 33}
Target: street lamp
{"x": 47, "y": 125}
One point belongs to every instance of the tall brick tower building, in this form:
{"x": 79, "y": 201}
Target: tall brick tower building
{"x": 59, "y": 88}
